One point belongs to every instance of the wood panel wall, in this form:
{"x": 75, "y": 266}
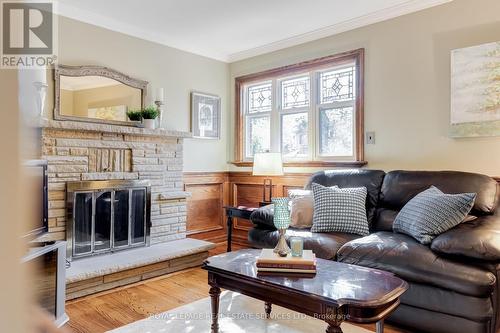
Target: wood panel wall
{"x": 211, "y": 191}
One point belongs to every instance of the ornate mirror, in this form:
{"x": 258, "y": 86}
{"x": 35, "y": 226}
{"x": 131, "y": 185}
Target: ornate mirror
{"x": 96, "y": 94}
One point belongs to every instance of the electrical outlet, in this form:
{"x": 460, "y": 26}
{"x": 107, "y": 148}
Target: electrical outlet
{"x": 370, "y": 138}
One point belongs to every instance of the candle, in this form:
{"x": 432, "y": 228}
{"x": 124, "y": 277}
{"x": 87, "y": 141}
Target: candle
{"x": 160, "y": 94}
{"x": 297, "y": 245}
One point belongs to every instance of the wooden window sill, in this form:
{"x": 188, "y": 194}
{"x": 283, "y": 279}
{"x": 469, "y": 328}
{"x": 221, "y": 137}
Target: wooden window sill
{"x": 322, "y": 164}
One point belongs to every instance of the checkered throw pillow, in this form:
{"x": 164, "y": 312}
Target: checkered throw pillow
{"x": 339, "y": 210}
{"x": 432, "y": 212}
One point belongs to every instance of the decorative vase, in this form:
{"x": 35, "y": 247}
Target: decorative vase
{"x": 149, "y": 123}
{"x": 281, "y": 222}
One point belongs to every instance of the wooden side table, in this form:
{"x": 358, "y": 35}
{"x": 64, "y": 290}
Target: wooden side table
{"x": 241, "y": 212}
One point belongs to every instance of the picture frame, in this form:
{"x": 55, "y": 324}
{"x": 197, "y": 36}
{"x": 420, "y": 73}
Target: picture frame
{"x": 205, "y": 116}
{"x": 475, "y": 102}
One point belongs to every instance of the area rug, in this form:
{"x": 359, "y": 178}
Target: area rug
{"x": 238, "y": 314}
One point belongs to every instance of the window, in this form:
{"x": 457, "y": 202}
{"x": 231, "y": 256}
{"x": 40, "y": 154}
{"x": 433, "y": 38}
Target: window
{"x": 311, "y": 112}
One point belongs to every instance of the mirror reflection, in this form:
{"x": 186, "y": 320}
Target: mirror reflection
{"x": 97, "y": 97}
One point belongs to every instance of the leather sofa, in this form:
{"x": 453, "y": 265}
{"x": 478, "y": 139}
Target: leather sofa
{"x": 454, "y": 286}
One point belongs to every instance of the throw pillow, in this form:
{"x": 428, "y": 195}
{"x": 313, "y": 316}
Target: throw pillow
{"x": 301, "y": 208}
{"x": 339, "y": 210}
{"x": 432, "y": 212}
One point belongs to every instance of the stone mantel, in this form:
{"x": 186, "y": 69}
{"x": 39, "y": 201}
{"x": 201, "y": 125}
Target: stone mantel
{"x": 116, "y": 129}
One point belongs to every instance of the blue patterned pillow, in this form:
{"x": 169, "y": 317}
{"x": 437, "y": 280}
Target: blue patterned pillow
{"x": 339, "y": 210}
{"x": 432, "y": 212}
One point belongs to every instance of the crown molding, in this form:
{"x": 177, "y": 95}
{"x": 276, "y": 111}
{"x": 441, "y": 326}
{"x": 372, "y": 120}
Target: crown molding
{"x": 358, "y": 22}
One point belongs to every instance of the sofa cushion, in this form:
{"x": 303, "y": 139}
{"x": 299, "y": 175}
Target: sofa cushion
{"x": 415, "y": 262}
{"x": 371, "y": 179}
{"x": 478, "y": 238}
{"x": 339, "y": 210}
{"x": 384, "y": 219}
{"x": 400, "y": 186}
{"x": 432, "y": 212}
{"x": 324, "y": 245}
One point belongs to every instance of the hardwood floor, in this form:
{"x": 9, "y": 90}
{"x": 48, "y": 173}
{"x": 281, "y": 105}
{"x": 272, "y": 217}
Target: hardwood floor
{"x": 121, "y": 306}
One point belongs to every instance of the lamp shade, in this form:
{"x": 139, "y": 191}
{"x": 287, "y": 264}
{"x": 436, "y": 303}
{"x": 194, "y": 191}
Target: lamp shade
{"x": 267, "y": 164}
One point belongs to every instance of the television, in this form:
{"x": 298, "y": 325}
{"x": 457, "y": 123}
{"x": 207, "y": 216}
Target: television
{"x": 35, "y": 174}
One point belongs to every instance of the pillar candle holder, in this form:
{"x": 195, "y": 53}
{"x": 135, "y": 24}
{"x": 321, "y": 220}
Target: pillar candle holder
{"x": 159, "y": 105}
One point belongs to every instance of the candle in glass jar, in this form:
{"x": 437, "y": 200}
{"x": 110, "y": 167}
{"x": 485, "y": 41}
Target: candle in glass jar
{"x": 297, "y": 245}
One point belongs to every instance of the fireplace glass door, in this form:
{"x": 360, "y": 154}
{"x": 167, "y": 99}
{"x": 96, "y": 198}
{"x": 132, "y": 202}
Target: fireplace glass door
{"x": 107, "y": 220}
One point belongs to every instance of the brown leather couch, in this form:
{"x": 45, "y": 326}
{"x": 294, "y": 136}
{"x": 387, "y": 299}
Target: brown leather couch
{"x": 453, "y": 282}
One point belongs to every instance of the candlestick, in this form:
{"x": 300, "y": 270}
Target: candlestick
{"x": 159, "y": 105}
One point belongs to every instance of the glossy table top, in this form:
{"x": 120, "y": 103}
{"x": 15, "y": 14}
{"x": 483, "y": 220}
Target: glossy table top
{"x": 334, "y": 281}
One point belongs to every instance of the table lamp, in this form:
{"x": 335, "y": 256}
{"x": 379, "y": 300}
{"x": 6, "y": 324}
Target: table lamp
{"x": 267, "y": 164}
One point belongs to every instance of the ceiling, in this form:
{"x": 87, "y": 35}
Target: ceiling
{"x": 231, "y": 30}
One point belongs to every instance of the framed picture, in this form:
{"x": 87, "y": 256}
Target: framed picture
{"x": 475, "y": 91}
{"x": 205, "y": 115}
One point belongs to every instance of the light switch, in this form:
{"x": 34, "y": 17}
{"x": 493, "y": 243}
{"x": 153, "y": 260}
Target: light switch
{"x": 370, "y": 138}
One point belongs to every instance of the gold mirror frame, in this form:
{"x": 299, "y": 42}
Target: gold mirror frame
{"x": 76, "y": 71}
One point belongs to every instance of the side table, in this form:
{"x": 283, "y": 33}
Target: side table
{"x": 241, "y": 212}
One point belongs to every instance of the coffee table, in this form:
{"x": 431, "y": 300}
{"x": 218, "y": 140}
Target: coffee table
{"x": 338, "y": 292}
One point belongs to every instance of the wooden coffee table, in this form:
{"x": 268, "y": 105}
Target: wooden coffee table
{"x": 338, "y": 292}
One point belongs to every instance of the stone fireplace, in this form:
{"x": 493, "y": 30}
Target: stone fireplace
{"x": 83, "y": 153}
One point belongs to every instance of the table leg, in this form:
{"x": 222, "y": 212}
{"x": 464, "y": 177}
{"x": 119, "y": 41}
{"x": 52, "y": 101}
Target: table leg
{"x": 333, "y": 328}
{"x": 268, "y": 307}
{"x": 380, "y": 326}
{"x": 214, "y": 296}
{"x": 229, "y": 231}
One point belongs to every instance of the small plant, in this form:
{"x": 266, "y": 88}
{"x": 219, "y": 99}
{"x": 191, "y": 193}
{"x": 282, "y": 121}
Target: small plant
{"x": 134, "y": 115}
{"x": 151, "y": 112}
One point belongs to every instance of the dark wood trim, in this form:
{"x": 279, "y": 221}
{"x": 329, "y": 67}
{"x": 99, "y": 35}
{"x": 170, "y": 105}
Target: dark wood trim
{"x": 325, "y": 164}
{"x": 357, "y": 55}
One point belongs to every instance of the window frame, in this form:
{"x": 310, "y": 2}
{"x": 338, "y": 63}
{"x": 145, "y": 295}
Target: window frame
{"x": 313, "y": 68}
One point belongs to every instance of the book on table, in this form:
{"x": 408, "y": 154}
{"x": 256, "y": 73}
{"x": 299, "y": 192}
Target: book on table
{"x": 268, "y": 261}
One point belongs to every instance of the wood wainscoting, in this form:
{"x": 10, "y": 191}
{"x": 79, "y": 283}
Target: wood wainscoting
{"x": 211, "y": 191}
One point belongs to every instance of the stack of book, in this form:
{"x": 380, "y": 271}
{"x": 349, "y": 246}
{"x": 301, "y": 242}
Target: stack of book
{"x": 271, "y": 263}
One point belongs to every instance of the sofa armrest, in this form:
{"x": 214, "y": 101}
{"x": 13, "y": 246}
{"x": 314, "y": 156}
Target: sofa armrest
{"x": 478, "y": 239}
{"x": 263, "y": 217}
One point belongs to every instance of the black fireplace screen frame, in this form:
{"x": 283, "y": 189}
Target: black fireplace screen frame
{"x": 98, "y": 187}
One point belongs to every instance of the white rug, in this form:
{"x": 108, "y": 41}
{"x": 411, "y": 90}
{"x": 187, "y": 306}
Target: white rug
{"x": 238, "y": 314}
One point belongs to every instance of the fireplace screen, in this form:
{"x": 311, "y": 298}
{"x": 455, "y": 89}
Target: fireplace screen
{"x": 107, "y": 216}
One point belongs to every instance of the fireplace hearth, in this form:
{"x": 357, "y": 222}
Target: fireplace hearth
{"x": 107, "y": 216}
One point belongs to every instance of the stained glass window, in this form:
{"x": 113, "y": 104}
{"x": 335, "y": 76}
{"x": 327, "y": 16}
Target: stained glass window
{"x": 294, "y": 142}
{"x": 336, "y": 131}
{"x": 337, "y": 85}
{"x": 295, "y": 93}
{"x": 258, "y": 135}
{"x": 260, "y": 98}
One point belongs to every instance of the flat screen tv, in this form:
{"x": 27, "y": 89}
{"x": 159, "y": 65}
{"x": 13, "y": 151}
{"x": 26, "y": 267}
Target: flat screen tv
{"x": 35, "y": 172}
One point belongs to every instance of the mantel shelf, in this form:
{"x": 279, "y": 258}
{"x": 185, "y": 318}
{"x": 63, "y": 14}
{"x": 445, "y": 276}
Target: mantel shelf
{"x": 175, "y": 195}
{"x": 106, "y": 128}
